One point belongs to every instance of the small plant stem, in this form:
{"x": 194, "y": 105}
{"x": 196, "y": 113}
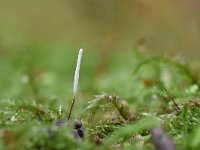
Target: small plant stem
{"x": 72, "y": 105}
{"x": 114, "y": 100}
{"x": 171, "y": 97}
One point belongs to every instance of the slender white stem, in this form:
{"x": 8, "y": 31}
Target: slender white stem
{"x": 76, "y": 75}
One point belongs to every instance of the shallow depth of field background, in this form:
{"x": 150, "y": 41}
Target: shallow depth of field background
{"x": 166, "y": 25}
{"x": 41, "y": 38}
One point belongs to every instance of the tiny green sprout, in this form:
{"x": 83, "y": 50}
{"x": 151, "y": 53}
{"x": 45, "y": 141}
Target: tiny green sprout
{"x": 76, "y": 78}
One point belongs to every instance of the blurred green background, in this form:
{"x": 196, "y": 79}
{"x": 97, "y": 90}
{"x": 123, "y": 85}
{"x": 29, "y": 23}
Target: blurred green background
{"x": 167, "y": 25}
{"x": 39, "y": 40}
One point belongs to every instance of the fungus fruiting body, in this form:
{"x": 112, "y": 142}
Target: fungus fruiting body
{"x": 76, "y": 79}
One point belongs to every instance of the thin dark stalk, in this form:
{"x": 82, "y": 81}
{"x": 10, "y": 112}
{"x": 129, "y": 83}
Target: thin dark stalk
{"x": 173, "y": 100}
{"x": 72, "y": 105}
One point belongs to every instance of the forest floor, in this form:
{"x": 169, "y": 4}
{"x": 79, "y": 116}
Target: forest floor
{"x": 135, "y": 93}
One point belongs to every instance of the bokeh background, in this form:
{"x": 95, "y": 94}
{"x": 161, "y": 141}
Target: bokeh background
{"x": 39, "y": 39}
{"x": 166, "y": 25}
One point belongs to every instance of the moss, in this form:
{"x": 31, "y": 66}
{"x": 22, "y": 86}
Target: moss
{"x": 30, "y": 108}
{"x": 187, "y": 119}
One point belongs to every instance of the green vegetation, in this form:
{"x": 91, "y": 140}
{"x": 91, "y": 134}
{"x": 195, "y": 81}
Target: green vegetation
{"x": 134, "y": 92}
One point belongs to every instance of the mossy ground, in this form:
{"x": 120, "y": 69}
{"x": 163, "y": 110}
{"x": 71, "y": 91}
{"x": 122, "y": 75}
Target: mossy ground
{"x": 37, "y": 80}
